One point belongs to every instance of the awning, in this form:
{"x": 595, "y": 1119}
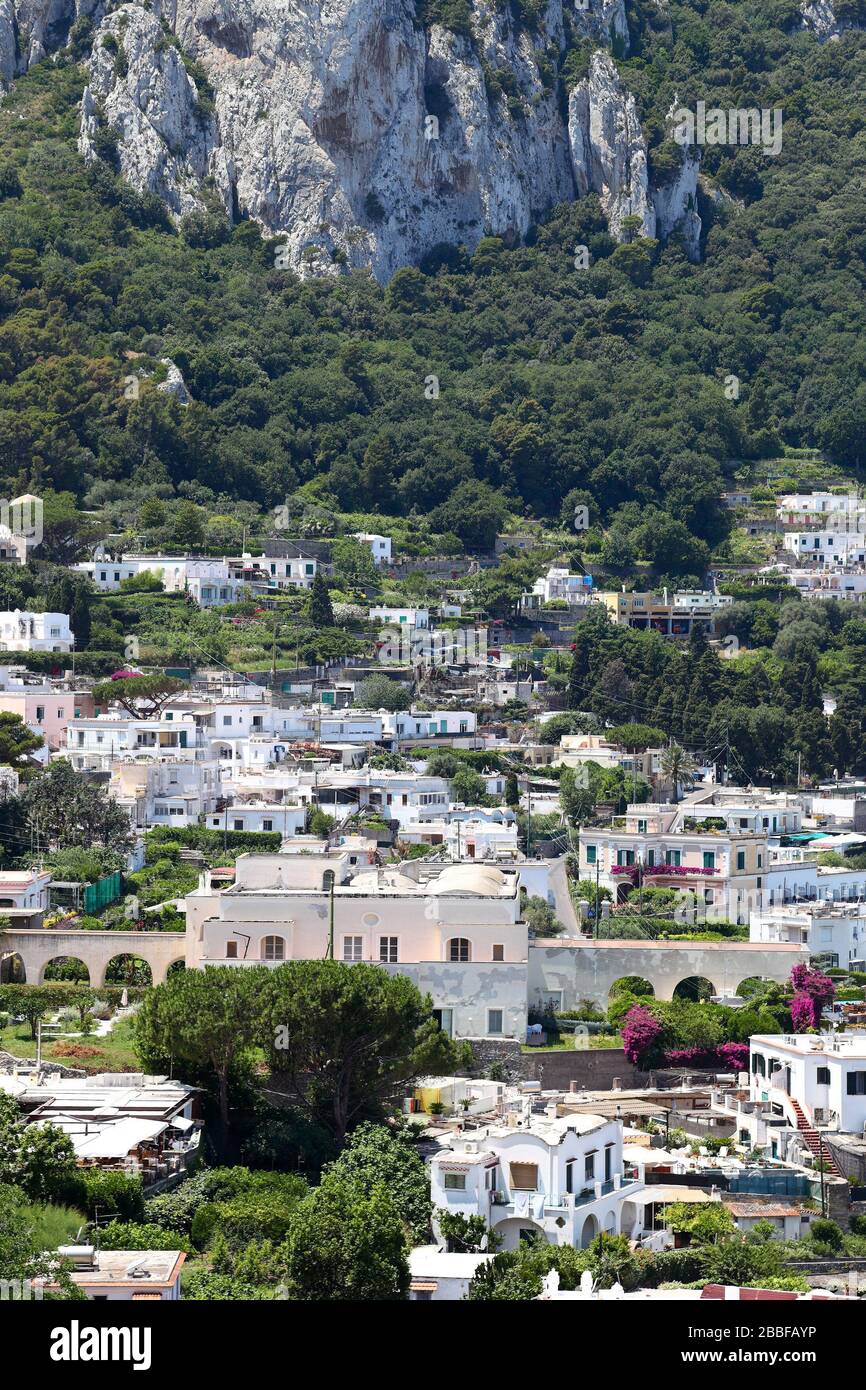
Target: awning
{"x": 660, "y": 1193}
{"x": 423, "y": 1286}
{"x": 180, "y": 1123}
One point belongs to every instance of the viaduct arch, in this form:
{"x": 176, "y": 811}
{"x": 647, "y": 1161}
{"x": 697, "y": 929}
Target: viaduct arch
{"x": 581, "y": 970}
{"x": 96, "y": 949}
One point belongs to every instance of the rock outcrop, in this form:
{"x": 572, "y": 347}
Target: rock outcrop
{"x": 351, "y": 132}
{"x": 821, "y": 18}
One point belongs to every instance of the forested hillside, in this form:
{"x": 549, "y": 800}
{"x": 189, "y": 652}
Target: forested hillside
{"x": 505, "y": 379}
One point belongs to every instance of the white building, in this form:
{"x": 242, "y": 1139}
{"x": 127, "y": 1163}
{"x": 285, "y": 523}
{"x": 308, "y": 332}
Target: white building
{"x": 165, "y": 791}
{"x": 559, "y": 1178}
{"x": 400, "y": 617}
{"x": 122, "y": 1276}
{"x": 286, "y": 566}
{"x": 22, "y": 631}
{"x": 380, "y": 546}
{"x": 835, "y": 931}
{"x": 816, "y": 508}
{"x": 422, "y": 726}
{"x": 815, "y": 1081}
{"x": 261, "y": 817}
{"x": 559, "y": 585}
{"x": 23, "y": 897}
{"x": 827, "y": 546}
{"x": 209, "y": 582}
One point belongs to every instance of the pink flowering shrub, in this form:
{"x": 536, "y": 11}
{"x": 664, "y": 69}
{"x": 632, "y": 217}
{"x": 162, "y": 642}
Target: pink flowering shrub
{"x": 728, "y": 1056}
{"x": 641, "y": 1032}
{"x": 813, "y": 990}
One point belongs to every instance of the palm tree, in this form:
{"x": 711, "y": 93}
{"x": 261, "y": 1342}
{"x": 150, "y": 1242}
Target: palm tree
{"x": 678, "y": 766}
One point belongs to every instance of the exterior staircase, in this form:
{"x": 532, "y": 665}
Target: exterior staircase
{"x": 810, "y": 1135}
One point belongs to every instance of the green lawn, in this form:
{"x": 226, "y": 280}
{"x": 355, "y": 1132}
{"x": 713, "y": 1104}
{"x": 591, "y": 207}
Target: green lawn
{"x": 115, "y": 1052}
{"x": 611, "y": 1042}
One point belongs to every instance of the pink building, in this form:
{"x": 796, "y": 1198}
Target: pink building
{"x": 48, "y": 711}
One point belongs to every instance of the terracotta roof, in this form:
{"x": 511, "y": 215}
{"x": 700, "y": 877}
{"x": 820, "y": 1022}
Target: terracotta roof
{"x": 756, "y": 1208}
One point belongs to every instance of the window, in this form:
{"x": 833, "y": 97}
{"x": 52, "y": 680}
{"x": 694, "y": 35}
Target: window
{"x": 227, "y": 719}
{"x": 494, "y": 1021}
{"x": 591, "y": 853}
{"x": 458, "y": 949}
{"x": 856, "y": 1083}
{"x": 273, "y": 948}
{"x": 237, "y": 825}
{"x": 741, "y": 859}
{"x": 524, "y": 1176}
{"x": 353, "y": 947}
{"x": 388, "y": 950}
{"x": 673, "y": 856}
{"x": 822, "y": 1076}
{"x": 267, "y": 825}
{"x": 455, "y": 1182}
{"x": 569, "y": 1174}
{"x": 498, "y": 953}
{"x": 40, "y": 713}
{"x": 589, "y": 1167}
{"x": 231, "y": 950}
{"x": 709, "y": 859}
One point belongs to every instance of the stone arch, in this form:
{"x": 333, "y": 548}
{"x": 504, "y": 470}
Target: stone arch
{"x": 695, "y": 988}
{"x": 125, "y": 968}
{"x": 12, "y": 968}
{"x": 625, "y": 982}
{"x": 747, "y": 987}
{"x": 175, "y": 967}
{"x": 67, "y": 975}
{"x": 610, "y": 1223}
{"x": 517, "y": 1228}
{"x": 589, "y": 1231}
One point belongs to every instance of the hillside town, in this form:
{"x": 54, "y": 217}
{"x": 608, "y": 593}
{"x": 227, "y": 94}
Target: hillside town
{"x": 586, "y": 858}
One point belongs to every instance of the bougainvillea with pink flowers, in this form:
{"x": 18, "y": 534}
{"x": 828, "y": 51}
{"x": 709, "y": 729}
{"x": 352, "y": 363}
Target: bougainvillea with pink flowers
{"x": 641, "y": 1032}
{"x": 726, "y": 1057}
{"x": 813, "y": 991}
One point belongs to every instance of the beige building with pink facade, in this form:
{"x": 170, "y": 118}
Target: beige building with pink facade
{"x": 455, "y": 929}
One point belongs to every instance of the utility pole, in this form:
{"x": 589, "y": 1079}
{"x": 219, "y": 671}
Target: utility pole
{"x": 330, "y": 955}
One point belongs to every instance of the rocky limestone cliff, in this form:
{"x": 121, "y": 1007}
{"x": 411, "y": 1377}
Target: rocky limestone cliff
{"x": 351, "y": 132}
{"x": 821, "y": 18}
{"x": 609, "y": 157}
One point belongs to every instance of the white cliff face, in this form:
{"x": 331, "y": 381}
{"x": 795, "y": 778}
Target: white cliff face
{"x": 819, "y": 16}
{"x": 347, "y": 130}
{"x": 608, "y": 150}
{"x": 609, "y": 157}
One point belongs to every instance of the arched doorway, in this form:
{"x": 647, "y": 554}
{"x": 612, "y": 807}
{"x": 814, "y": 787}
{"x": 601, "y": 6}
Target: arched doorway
{"x": 589, "y": 1231}
{"x": 517, "y": 1229}
{"x": 695, "y": 988}
{"x": 610, "y": 1223}
{"x": 66, "y": 968}
{"x": 128, "y": 970}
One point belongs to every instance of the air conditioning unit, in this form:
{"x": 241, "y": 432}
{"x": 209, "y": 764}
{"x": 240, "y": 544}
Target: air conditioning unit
{"x": 470, "y": 1147}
